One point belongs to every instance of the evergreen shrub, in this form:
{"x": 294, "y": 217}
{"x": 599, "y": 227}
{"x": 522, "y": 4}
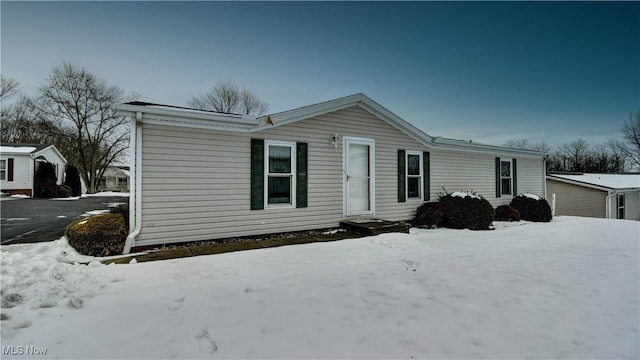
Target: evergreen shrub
{"x": 64, "y": 191}
{"x": 467, "y": 211}
{"x": 507, "y": 213}
{"x": 532, "y": 208}
{"x": 123, "y": 210}
{"x": 72, "y": 180}
{"x": 429, "y": 214}
{"x": 100, "y": 235}
{"x": 45, "y": 181}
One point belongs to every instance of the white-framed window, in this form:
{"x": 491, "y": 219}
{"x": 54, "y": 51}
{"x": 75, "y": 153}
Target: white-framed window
{"x": 122, "y": 181}
{"x": 415, "y": 175}
{"x": 506, "y": 177}
{"x": 280, "y": 170}
{"x": 3, "y": 169}
{"x": 620, "y": 206}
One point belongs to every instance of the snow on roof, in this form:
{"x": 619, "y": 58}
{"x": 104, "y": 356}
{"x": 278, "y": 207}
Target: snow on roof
{"x": 611, "y": 181}
{"x": 17, "y": 149}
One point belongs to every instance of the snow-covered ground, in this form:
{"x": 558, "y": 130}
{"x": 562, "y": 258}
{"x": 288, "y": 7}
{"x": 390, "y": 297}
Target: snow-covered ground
{"x": 566, "y": 289}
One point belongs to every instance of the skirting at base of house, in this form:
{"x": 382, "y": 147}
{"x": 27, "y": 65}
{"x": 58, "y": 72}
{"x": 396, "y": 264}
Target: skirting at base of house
{"x": 374, "y": 226}
{"x": 18, "y": 192}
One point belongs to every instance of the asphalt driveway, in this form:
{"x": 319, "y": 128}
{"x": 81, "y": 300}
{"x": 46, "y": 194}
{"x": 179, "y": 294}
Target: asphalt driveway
{"x": 38, "y": 220}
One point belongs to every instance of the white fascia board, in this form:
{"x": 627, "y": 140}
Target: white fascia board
{"x": 360, "y": 100}
{"x": 192, "y": 123}
{"x": 52, "y": 147}
{"x": 397, "y": 122}
{"x": 186, "y": 114}
{"x": 290, "y": 116}
{"x": 456, "y": 145}
{"x": 580, "y": 183}
{"x": 189, "y": 118}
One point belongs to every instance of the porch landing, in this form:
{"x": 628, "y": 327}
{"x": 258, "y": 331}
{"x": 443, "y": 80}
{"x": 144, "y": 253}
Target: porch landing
{"x": 374, "y": 226}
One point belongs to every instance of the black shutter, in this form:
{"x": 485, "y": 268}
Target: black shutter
{"x": 402, "y": 194}
{"x": 514, "y": 173}
{"x": 498, "y": 183}
{"x": 427, "y": 175}
{"x": 301, "y": 175}
{"x": 257, "y": 174}
{"x": 10, "y": 169}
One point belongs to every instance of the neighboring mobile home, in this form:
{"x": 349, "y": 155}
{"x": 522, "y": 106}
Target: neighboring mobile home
{"x": 19, "y": 162}
{"x": 199, "y": 175}
{"x": 115, "y": 178}
{"x": 612, "y": 196}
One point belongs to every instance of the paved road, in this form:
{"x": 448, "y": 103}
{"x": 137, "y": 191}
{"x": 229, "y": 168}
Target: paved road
{"x": 37, "y": 220}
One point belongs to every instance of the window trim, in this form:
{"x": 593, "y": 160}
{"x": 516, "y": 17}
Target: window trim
{"x": 618, "y": 207}
{"x": 510, "y": 161}
{"x": 292, "y": 174}
{"x": 421, "y": 175}
{"x": 4, "y": 171}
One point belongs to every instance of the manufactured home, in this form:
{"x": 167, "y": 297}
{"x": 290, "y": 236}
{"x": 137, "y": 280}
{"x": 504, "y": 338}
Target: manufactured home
{"x": 200, "y": 175}
{"x": 611, "y": 196}
{"x": 19, "y": 162}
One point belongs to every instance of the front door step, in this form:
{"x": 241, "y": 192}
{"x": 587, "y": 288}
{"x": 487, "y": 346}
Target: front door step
{"x": 374, "y": 226}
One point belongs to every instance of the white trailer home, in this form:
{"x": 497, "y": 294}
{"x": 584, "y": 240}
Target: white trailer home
{"x": 19, "y": 162}
{"x": 199, "y": 175}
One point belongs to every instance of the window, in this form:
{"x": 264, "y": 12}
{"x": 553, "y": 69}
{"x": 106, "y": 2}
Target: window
{"x": 620, "y": 203}
{"x": 414, "y": 175}
{"x": 506, "y": 177}
{"x": 103, "y": 182}
{"x": 280, "y": 163}
{"x": 3, "y": 169}
{"x": 122, "y": 181}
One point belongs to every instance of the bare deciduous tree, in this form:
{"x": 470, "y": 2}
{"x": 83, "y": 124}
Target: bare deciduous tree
{"x": 575, "y": 153}
{"x": 526, "y": 145}
{"x": 85, "y": 126}
{"x": 226, "y": 97}
{"x": 631, "y": 135}
{"x": 8, "y": 88}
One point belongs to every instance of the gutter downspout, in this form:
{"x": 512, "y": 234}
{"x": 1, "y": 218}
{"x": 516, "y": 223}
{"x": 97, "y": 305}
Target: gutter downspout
{"x": 135, "y": 195}
{"x": 607, "y": 204}
{"x": 544, "y": 176}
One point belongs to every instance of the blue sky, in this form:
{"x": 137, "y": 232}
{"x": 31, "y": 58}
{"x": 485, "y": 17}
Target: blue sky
{"x": 487, "y": 71}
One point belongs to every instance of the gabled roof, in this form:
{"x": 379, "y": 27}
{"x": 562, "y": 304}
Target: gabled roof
{"x": 21, "y": 148}
{"x": 32, "y": 150}
{"x": 178, "y": 116}
{"x": 600, "y": 181}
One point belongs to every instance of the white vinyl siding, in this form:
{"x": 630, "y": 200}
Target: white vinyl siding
{"x": 22, "y": 173}
{"x": 187, "y": 197}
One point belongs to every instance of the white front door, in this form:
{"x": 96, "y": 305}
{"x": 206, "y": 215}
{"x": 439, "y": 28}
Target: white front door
{"x": 359, "y": 179}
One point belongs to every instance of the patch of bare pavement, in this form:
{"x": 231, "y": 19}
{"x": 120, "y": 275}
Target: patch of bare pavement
{"x": 38, "y": 220}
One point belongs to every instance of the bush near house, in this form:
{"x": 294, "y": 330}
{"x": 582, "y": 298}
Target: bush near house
{"x": 429, "y": 214}
{"x": 532, "y": 208}
{"x": 123, "y": 210}
{"x": 45, "y": 181}
{"x": 101, "y": 235}
{"x": 64, "y": 191}
{"x": 507, "y": 213}
{"x": 467, "y": 211}
{"x": 72, "y": 179}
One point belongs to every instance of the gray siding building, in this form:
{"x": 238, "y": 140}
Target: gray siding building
{"x": 200, "y": 175}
